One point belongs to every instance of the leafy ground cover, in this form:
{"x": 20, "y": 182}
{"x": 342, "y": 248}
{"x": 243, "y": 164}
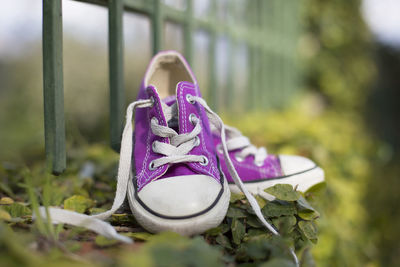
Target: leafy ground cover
{"x": 88, "y": 187}
{"x": 336, "y": 140}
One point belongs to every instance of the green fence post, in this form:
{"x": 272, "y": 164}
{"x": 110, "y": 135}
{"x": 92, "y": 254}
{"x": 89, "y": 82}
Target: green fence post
{"x": 212, "y": 73}
{"x": 53, "y": 88}
{"x": 157, "y": 26}
{"x": 188, "y": 31}
{"x": 116, "y": 71}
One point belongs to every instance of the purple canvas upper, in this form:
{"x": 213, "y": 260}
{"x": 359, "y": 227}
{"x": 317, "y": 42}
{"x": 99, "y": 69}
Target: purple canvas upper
{"x": 246, "y": 169}
{"x": 143, "y": 137}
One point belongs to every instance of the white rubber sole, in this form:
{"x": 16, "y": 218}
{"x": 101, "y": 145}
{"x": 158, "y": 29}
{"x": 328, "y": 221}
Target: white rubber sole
{"x": 303, "y": 181}
{"x": 188, "y": 226}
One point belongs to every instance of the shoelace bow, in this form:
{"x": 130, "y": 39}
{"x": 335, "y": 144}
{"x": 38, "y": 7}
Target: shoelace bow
{"x": 179, "y": 144}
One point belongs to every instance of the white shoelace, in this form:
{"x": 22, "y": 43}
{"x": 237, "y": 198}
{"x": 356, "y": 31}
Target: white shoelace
{"x": 236, "y": 141}
{"x": 174, "y": 152}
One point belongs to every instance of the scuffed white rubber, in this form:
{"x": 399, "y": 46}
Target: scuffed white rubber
{"x": 303, "y": 181}
{"x": 187, "y": 227}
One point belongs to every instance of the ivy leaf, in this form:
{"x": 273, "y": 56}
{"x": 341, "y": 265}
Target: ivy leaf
{"x": 238, "y": 231}
{"x": 17, "y": 209}
{"x": 6, "y": 201}
{"x": 143, "y": 236}
{"x": 78, "y": 203}
{"x": 103, "y": 241}
{"x": 235, "y": 197}
{"x": 309, "y": 230}
{"x": 235, "y": 213}
{"x": 4, "y": 216}
{"x": 305, "y": 210}
{"x": 221, "y": 229}
{"x": 285, "y": 224}
{"x": 223, "y": 241}
{"x": 261, "y": 201}
{"x": 283, "y": 192}
{"x": 253, "y": 221}
{"x": 276, "y": 209}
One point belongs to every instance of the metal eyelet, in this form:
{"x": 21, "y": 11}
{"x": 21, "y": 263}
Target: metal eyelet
{"x": 196, "y": 141}
{"x": 239, "y": 158}
{"x": 258, "y": 164}
{"x": 193, "y": 118}
{"x": 189, "y": 99}
{"x": 151, "y": 166}
{"x": 204, "y": 161}
{"x": 154, "y": 120}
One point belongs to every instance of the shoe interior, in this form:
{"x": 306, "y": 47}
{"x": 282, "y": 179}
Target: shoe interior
{"x": 166, "y": 70}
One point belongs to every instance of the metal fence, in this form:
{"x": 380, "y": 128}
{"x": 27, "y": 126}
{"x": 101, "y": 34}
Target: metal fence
{"x": 267, "y": 28}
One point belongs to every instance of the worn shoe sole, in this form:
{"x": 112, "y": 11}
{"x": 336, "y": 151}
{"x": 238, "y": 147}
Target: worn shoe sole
{"x": 303, "y": 180}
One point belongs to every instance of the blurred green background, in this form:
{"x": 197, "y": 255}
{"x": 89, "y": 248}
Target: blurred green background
{"x": 345, "y": 115}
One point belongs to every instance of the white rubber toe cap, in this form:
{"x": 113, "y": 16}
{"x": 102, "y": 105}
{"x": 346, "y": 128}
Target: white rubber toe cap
{"x": 295, "y": 164}
{"x": 180, "y": 195}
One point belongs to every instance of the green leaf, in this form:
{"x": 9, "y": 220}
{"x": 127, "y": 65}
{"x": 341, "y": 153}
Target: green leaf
{"x": 223, "y": 241}
{"x": 103, "y": 241}
{"x": 305, "y": 210}
{"x": 283, "y": 192}
{"x": 253, "y": 222}
{"x": 235, "y": 197}
{"x": 261, "y": 201}
{"x": 17, "y": 210}
{"x": 235, "y": 213}
{"x": 309, "y": 230}
{"x": 221, "y": 229}
{"x": 143, "y": 236}
{"x": 276, "y": 209}
{"x": 4, "y": 216}
{"x": 238, "y": 231}
{"x": 78, "y": 203}
{"x": 6, "y": 201}
{"x": 285, "y": 224}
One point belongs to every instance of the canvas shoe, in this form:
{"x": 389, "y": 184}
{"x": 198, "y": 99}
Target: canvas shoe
{"x": 177, "y": 183}
{"x": 169, "y": 167}
{"x": 259, "y": 170}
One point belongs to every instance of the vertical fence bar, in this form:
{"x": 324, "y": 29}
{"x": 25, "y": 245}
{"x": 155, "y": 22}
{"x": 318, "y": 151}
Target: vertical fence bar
{"x": 157, "y": 26}
{"x": 252, "y": 57}
{"x": 188, "y": 31}
{"x": 116, "y": 71}
{"x": 261, "y": 64}
{"x": 212, "y": 83}
{"x": 53, "y": 88}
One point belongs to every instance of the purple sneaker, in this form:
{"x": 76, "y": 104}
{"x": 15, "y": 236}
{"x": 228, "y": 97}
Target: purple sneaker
{"x": 177, "y": 183}
{"x": 169, "y": 167}
{"x": 259, "y": 170}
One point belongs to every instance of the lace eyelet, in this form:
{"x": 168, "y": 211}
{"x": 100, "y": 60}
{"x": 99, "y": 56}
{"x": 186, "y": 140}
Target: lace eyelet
{"x": 193, "y": 118}
{"x": 154, "y": 120}
{"x": 258, "y": 164}
{"x": 189, "y": 99}
{"x": 153, "y": 146}
{"x": 239, "y": 158}
{"x": 197, "y": 141}
{"x": 151, "y": 166}
{"x": 205, "y": 161}
{"x": 152, "y": 100}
